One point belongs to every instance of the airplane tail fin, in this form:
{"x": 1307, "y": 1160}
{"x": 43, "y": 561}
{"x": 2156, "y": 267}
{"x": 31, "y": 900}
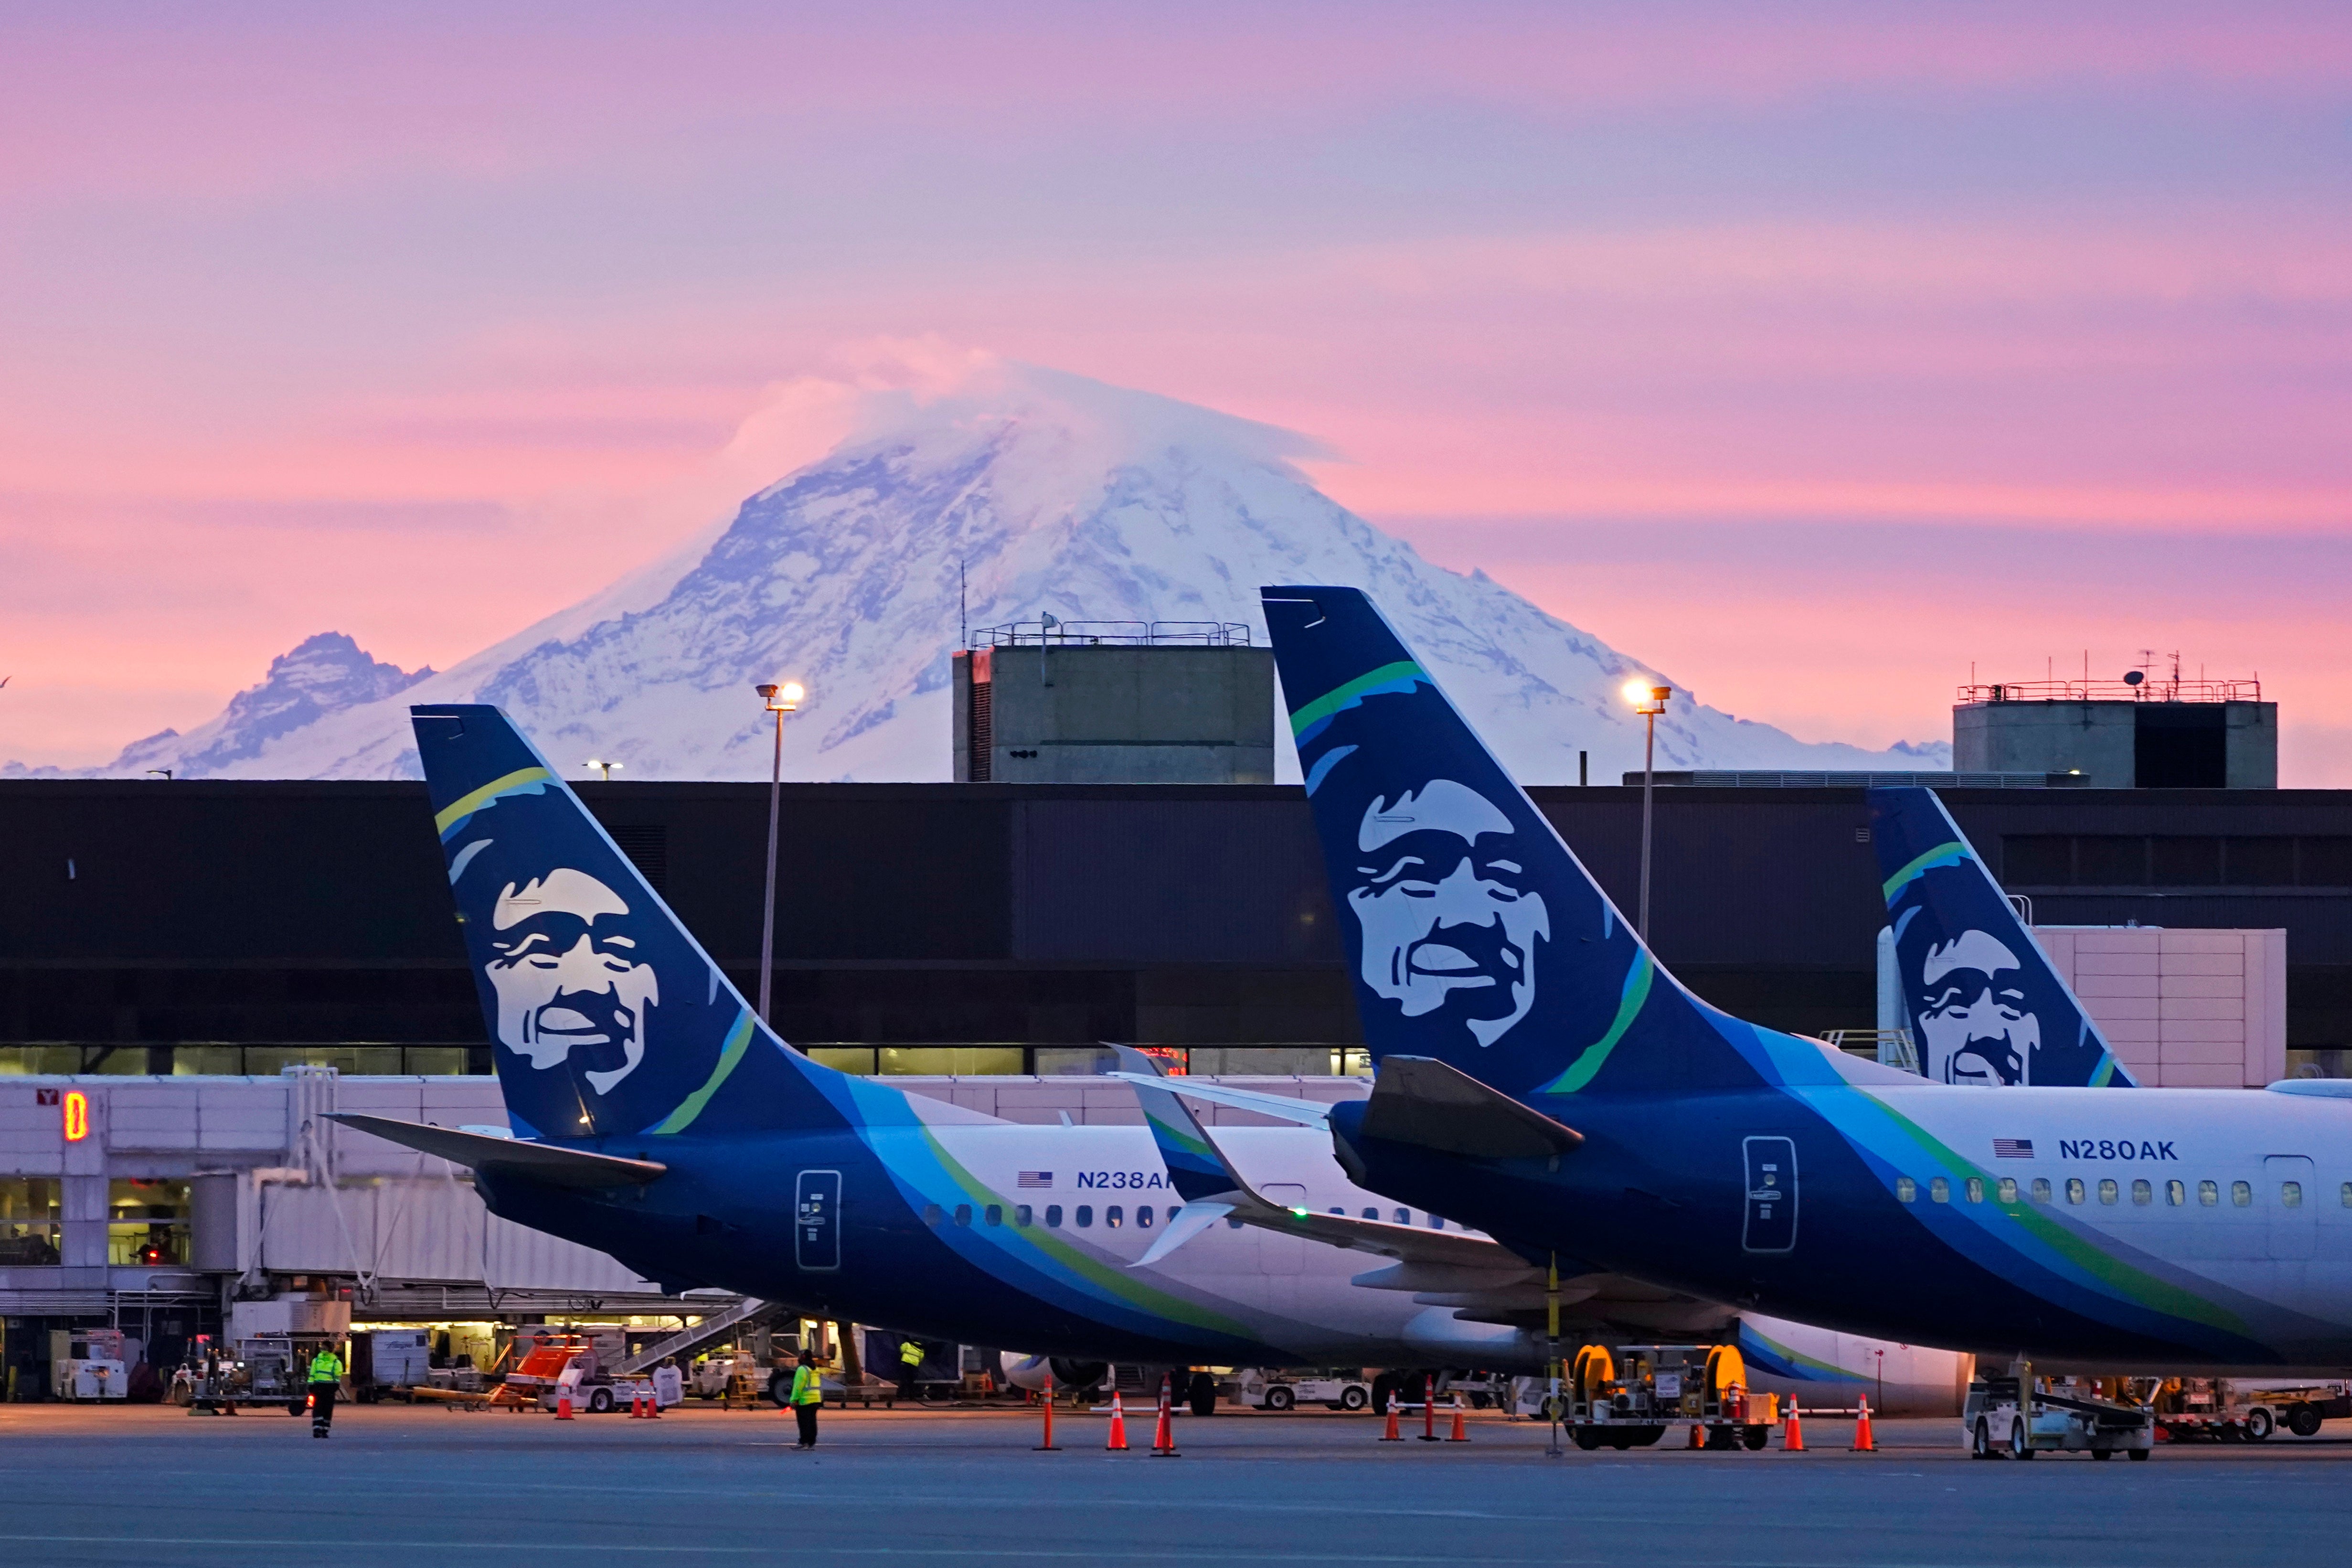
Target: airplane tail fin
{"x": 1980, "y": 998}
{"x": 608, "y": 1017}
{"x": 1474, "y": 935}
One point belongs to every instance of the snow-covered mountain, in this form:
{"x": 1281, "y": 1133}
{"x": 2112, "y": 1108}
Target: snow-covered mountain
{"x": 1049, "y": 494}
{"x": 324, "y": 674}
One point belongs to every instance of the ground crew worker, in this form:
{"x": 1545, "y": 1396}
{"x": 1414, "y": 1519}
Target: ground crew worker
{"x": 808, "y": 1393}
{"x": 326, "y": 1382}
{"x": 911, "y": 1365}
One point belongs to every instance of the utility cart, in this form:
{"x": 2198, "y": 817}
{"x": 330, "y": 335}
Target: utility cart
{"x": 2016, "y": 1418}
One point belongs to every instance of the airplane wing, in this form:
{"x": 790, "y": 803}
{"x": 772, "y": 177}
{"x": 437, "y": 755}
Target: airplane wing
{"x": 1207, "y": 1180}
{"x": 1482, "y": 1279}
{"x": 540, "y": 1162}
{"x": 1282, "y": 1107}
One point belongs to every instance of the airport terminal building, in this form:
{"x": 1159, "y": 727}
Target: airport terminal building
{"x": 180, "y": 928}
{"x": 192, "y": 973}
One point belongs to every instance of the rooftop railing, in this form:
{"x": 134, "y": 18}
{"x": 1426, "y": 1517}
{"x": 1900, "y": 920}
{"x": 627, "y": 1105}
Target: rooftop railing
{"x": 2149, "y": 690}
{"x": 1114, "y": 634}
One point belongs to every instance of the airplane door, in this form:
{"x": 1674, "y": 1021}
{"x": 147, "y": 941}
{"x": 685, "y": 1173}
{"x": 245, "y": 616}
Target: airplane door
{"x": 1771, "y": 1194}
{"x": 2293, "y": 1222}
{"x": 816, "y": 1220}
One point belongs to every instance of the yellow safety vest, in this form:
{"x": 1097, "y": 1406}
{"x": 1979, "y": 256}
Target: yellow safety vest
{"x": 910, "y": 1352}
{"x": 326, "y": 1367}
{"x": 806, "y": 1389}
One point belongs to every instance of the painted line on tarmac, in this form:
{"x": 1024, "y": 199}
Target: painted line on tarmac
{"x": 315, "y": 1543}
{"x": 1548, "y": 1558}
{"x": 835, "y": 1494}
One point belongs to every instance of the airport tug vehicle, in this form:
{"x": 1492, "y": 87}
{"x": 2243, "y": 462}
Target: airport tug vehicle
{"x": 2017, "y": 1417}
{"x": 1627, "y": 1399}
{"x": 1277, "y": 1388}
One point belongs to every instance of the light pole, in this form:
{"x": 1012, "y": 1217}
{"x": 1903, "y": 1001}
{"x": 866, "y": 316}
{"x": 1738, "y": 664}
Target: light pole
{"x": 603, "y": 767}
{"x": 1649, "y": 701}
{"x": 781, "y": 701}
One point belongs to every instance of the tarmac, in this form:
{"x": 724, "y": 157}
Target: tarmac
{"x": 152, "y": 1485}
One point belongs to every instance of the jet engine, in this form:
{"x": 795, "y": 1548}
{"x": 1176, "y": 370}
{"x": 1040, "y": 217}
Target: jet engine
{"x": 1029, "y": 1370}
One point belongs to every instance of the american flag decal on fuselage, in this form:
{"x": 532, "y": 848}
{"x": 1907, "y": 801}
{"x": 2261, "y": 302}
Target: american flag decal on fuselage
{"x": 1032, "y": 1180}
{"x": 2012, "y": 1148}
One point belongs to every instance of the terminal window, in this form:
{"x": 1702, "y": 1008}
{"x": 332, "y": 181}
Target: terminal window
{"x": 29, "y": 1228}
{"x": 146, "y": 1221}
{"x": 2164, "y": 861}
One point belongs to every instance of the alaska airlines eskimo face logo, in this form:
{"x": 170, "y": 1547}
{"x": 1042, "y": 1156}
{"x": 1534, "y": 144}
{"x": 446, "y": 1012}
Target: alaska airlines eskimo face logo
{"x": 1448, "y": 924}
{"x": 1974, "y": 1019}
{"x": 567, "y": 983}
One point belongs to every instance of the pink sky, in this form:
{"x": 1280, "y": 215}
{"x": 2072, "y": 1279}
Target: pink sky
{"x": 1810, "y": 353}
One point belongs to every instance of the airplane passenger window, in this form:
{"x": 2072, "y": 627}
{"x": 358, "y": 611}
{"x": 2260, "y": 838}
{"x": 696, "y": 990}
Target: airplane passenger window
{"x": 2074, "y": 1189}
{"x": 2208, "y": 1193}
{"x": 2291, "y": 1195}
{"x": 1976, "y": 1189}
{"x": 1020, "y": 1217}
{"x": 931, "y": 1214}
{"x": 2243, "y": 1193}
{"x": 1404, "y": 1216}
{"x": 1114, "y": 1216}
{"x": 2348, "y": 1195}
{"x": 1053, "y": 1216}
{"x": 963, "y": 1213}
{"x": 2142, "y": 1193}
{"x": 1940, "y": 1190}
{"x": 2040, "y": 1189}
{"x": 1905, "y": 1190}
{"x": 2007, "y": 1190}
{"x": 1143, "y": 1216}
{"x": 1371, "y": 1214}
{"x": 1338, "y": 1210}
{"x": 2107, "y": 1190}
{"x": 1086, "y": 1216}
{"x": 2176, "y": 1193}
{"x": 994, "y": 1214}
{"x": 1435, "y": 1223}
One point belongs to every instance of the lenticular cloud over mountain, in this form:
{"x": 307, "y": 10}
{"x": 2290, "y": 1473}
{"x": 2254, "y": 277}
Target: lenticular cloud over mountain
{"x": 1052, "y": 494}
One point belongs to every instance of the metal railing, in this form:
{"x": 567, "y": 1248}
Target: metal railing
{"x": 2148, "y": 691}
{"x": 1051, "y": 633}
{"x": 215, "y": 1058}
{"x": 748, "y": 1313}
{"x": 1887, "y": 1047}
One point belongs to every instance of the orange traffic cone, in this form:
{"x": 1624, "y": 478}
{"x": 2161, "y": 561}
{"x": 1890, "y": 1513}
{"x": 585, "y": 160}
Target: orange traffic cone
{"x": 1429, "y": 1410}
{"x": 563, "y": 1405}
{"x": 1392, "y": 1435}
{"x": 1793, "y": 1435}
{"x": 1461, "y": 1423}
{"x": 1862, "y": 1441}
{"x": 1163, "y": 1440}
{"x": 1117, "y": 1444}
{"x": 653, "y": 1404}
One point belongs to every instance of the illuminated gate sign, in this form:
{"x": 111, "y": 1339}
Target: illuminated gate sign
{"x": 77, "y": 1115}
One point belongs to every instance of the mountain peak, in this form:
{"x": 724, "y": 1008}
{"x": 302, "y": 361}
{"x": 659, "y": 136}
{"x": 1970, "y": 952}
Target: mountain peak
{"x": 984, "y": 493}
{"x": 323, "y": 674}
